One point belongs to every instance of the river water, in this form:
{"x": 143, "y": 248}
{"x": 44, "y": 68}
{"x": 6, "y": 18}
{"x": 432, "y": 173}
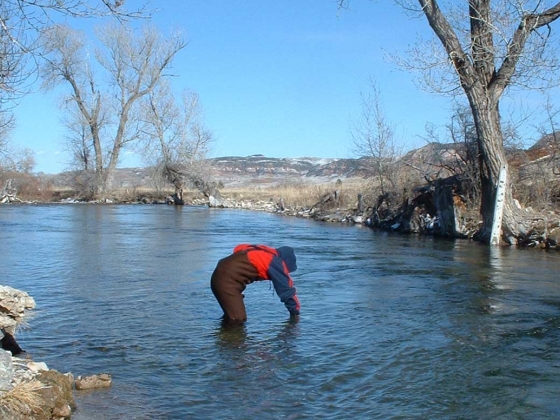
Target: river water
{"x": 391, "y": 327}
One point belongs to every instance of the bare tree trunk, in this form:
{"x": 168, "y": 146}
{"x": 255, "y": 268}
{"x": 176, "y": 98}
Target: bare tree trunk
{"x": 492, "y": 158}
{"x": 99, "y": 178}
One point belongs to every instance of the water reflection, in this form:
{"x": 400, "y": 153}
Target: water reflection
{"x": 231, "y": 335}
{"x": 235, "y": 336}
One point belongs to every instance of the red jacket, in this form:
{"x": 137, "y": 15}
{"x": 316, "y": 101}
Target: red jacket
{"x": 275, "y": 264}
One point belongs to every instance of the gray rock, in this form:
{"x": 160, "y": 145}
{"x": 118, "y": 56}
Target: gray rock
{"x": 6, "y": 371}
{"x": 13, "y": 305}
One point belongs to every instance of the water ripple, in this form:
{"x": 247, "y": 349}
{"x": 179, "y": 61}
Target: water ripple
{"x": 391, "y": 327}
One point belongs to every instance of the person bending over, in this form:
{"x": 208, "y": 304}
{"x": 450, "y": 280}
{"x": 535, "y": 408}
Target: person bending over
{"x": 250, "y": 263}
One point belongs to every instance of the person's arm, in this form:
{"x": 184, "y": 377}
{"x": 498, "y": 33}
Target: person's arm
{"x": 284, "y": 285}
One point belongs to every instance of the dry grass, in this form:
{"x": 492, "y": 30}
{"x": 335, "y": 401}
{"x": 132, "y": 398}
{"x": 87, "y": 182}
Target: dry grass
{"x": 296, "y": 195}
{"x": 23, "y": 398}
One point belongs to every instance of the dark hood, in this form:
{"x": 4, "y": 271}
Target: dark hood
{"x": 288, "y": 255}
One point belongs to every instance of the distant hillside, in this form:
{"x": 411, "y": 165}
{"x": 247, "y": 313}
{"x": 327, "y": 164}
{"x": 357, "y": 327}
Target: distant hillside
{"x": 234, "y": 171}
{"x": 258, "y": 169}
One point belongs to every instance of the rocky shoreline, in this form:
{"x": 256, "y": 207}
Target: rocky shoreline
{"x": 29, "y": 390}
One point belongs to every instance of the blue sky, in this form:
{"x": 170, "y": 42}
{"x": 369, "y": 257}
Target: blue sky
{"x": 278, "y": 78}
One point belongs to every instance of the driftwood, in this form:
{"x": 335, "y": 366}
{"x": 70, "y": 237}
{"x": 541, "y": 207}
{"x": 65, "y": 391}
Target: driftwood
{"x": 9, "y": 193}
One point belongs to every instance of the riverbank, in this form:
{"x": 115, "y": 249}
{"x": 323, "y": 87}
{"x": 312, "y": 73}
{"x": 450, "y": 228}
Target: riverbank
{"x": 439, "y": 206}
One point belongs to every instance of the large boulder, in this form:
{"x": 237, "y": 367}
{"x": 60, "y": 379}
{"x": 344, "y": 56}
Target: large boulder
{"x": 58, "y": 400}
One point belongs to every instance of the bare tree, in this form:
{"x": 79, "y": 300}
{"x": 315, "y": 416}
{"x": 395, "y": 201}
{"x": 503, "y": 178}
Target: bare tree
{"x": 458, "y": 154}
{"x": 22, "y": 23}
{"x": 25, "y": 161}
{"x": 13, "y": 71}
{"x": 15, "y": 47}
{"x": 176, "y": 139}
{"x": 11, "y": 158}
{"x": 17, "y": 160}
{"x": 373, "y": 136}
{"x": 130, "y": 68}
{"x": 489, "y": 46}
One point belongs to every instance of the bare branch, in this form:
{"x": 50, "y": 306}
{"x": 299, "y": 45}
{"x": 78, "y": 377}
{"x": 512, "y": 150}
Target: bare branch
{"x": 374, "y": 137}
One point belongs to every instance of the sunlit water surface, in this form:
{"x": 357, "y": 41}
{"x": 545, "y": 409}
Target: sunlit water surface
{"x": 392, "y": 326}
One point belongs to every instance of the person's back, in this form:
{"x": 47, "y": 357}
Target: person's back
{"x": 250, "y": 263}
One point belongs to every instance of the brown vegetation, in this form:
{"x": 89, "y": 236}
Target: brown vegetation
{"x": 23, "y": 401}
{"x": 299, "y": 194}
